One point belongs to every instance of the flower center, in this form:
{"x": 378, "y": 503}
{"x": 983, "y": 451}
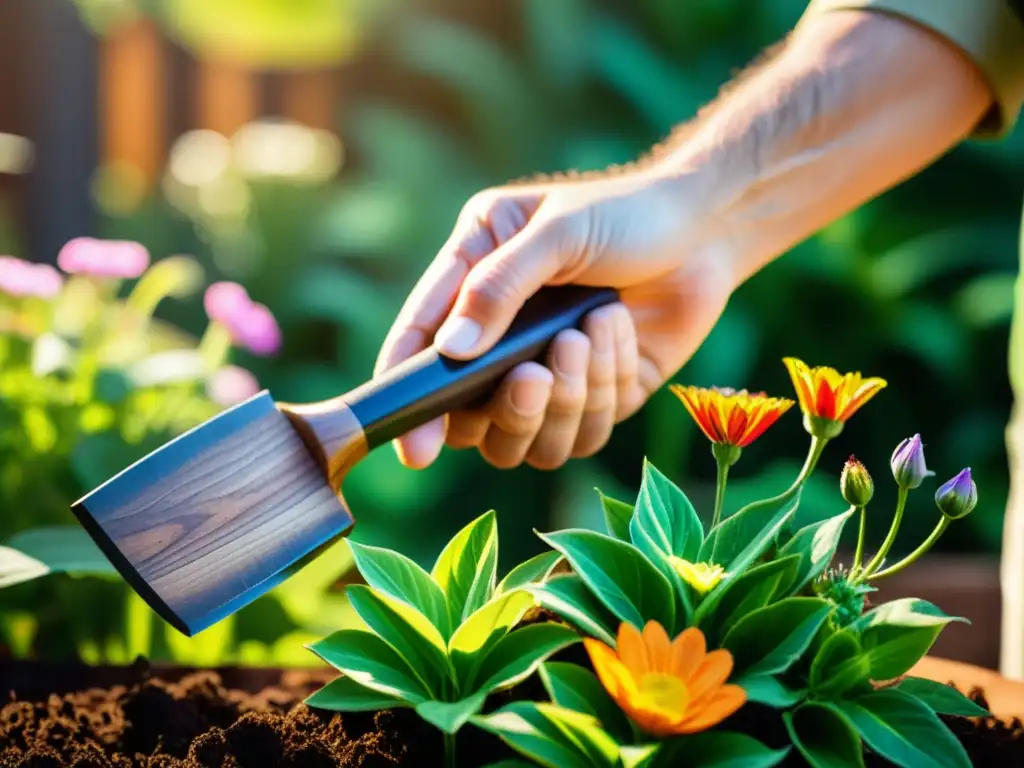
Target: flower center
{"x": 665, "y": 693}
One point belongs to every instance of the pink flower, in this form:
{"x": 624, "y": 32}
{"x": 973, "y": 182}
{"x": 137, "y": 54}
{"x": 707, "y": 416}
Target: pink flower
{"x": 251, "y": 325}
{"x": 260, "y": 333}
{"x": 103, "y": 258}
{"x": 226, "y": 301}
{"x": 231, "y": 385}
{"x": 23, "y": 278}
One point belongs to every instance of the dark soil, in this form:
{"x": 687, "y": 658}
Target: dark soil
{"x": 173, "y": 719}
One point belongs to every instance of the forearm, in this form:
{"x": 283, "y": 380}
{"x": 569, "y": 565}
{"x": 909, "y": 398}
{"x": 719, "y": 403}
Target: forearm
{"x": 855, "y": 103}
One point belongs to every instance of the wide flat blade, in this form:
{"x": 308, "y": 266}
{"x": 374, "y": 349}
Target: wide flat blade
{"x": 217, "y": 517}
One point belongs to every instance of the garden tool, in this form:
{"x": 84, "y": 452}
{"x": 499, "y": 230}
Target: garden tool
{"x": 227, "y": 511}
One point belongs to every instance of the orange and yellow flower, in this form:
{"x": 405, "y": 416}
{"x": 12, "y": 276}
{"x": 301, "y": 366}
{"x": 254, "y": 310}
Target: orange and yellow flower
{"x": 826, "y": 394}
{"x": 666, "y": 687}
{"x": 729, "y": 417}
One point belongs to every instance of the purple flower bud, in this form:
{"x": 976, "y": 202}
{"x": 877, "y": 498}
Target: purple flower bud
{"x": 103, "y": 258}
{"x": 231, "y": 385}
{"x": 957, "y": 498}
{"x": 23, "y": 278}
{"x": 907, "y": 463}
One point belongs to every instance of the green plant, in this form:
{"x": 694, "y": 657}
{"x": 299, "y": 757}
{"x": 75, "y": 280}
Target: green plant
{"x": 441, "y": 641}
{"x": 785, "y": 632}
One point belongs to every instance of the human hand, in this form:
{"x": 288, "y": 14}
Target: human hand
{"x": 639, "y": 233}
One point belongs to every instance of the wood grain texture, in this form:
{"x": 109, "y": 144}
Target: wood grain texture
{"x": 218, "y": 516}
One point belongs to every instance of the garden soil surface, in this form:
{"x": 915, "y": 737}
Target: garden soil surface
{"x": 154, "y": 718}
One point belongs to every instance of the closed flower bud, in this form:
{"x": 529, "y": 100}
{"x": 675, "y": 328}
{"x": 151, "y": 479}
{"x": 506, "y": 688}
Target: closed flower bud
{"x": 957, "y": 498}
{"x": 856, "y": 484}
{"x": 908, "y": 468}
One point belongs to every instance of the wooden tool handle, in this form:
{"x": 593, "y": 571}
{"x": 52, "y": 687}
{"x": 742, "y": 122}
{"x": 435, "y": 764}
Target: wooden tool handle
{"x": 429, "y": 384}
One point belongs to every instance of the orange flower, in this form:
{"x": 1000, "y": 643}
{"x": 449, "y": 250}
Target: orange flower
{"x": 666, "y": 687}
{"x": 729, "y": 417}
{"x": 826, "y": 394}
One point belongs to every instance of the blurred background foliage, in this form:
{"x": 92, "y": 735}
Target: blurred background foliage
{"x": 331, "y": 225}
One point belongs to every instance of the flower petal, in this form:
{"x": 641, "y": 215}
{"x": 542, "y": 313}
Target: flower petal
{"x": 801, "y": 377}
{"x": 689, "y": 650}
{"x": 659, "y": 653}
{"x": 725, "y": 702}
{"x": 868, "y": 389}
{"x": 610, "y": 671}
{"x": 712, "y": 673}
{"x": 632, "y": 651}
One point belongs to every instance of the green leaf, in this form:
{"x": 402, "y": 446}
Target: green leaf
{"x": 617, "y": 515}
{"x": 466, "y": 569}
{"x": 739, "y": 540}
{"x": 476, "y": 635}
{"x": 770, "y": 691}
{"x": 449, "y": 716}
{"x": 396, "y": 575}
{"x": 346, "y": 695}
{"x": 37, "y": 552}
{"x": 904, "y": 730}
{"x": 585, "y": 732}
{"x": 906, "y": 612}
{"x": 510, "y": 763}
{"x": 571, "y": 599}
{"x": 815, "y": 545}
{"x": 518, "y": 654}
{"x": 718, "y": 749}
{"x": 637, "y": 755}
{"x": 665, "y": 520}
{"x": 533, "y": 571}
{"x": 738, "y": 596}
{"x": 897, "y": 634}
{"x": 618, "y": 574}
{"x": 839, "y": 665}
{"x": 369, "y": 661}
{"x": 577, "y": 688}
{"x": 941, "y": 698}
{"x": 770, "y": 639}
{"x": 523, "y": 726}
{"x": 824, "y": 736}
{"x": 406, "y": 630}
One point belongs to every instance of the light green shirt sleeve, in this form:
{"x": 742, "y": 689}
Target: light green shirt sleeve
{"x": 990, "y": 32}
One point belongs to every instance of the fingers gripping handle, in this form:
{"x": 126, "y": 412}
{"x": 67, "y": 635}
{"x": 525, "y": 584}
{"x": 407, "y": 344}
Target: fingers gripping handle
{"x": 429, "y": 384}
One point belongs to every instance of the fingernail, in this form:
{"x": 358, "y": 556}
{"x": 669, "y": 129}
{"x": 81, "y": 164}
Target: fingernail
{"x": 571, "y": 358}
{"x": 457, "y": 336}
{"x": 528, "y": 397}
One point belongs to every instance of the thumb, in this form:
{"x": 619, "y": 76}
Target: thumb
{"x": 497, "y": 287}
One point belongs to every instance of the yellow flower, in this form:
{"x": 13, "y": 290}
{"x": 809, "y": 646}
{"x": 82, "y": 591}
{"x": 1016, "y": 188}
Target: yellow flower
{"x": 666, "y": 687}
{"x": 703, "y": 577}
{"x": 828, "y": 398}
{"x": 729, "y": 417}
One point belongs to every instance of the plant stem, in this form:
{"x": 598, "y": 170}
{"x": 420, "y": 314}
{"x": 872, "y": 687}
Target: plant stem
{"x": 723, "y": 475}
{"x": 860, "y": 540}
{"x": 925, "y": 546}
{"x": 214, "y": 346}
{"x": 901, "y": 502}
{"x": 725, "y": 456}
{"x": 813, "y": 454}
{"x": 449, "y": 750}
